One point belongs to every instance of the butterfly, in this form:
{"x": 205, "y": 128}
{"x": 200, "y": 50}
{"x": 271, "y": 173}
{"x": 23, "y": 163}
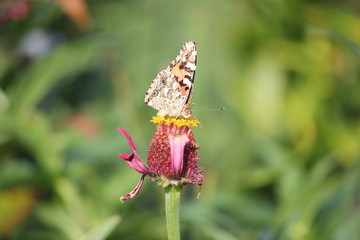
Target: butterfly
{"x": 170, "y": 91}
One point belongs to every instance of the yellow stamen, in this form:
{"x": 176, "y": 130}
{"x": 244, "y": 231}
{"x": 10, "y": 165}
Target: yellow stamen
{"x": 179, "y": 122}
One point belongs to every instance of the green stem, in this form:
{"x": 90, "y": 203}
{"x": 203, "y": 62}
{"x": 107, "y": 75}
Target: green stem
{"x": 172, "y": 202}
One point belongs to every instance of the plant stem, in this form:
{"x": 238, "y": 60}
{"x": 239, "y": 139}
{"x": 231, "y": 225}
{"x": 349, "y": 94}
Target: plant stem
{"x": 172, "y": 203}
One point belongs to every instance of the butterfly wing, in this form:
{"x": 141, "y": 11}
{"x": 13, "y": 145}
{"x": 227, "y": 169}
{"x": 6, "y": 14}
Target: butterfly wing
{"x": 170, "y": 91}
{"x": 164, "y": 94}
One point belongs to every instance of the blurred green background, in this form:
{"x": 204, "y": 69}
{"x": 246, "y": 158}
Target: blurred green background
{"x": 282, "y": 162}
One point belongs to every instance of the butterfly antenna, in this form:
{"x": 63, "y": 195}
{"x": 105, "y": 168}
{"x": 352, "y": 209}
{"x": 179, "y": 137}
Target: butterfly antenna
{"x": 210, "y": 109}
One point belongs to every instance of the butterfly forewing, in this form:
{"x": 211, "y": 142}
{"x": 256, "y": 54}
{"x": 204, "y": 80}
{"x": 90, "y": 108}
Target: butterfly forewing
{"x": 170, "y": 91}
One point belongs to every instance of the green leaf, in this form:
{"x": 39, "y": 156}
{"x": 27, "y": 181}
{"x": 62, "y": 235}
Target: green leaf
{"x": 65, "y": 61}
{"x": 102, "y": 230}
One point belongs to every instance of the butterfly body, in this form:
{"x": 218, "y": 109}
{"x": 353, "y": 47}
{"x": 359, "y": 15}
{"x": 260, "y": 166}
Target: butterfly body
{"x": 170, "y": 92}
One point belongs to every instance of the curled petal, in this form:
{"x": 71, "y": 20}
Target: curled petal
{"x": 133, "y": 160}
{"x": 177, "y": 145}
{"x": 134, "y": 192}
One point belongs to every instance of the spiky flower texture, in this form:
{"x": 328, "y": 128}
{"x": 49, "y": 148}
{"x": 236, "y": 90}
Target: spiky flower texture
{"x": 172, "y": 155}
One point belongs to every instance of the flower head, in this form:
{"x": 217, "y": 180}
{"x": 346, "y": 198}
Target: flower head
{"x": 172, "y": 155}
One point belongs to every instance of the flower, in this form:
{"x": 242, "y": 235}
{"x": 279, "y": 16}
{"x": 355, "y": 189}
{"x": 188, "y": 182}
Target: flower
{"x": 172, "y": 155}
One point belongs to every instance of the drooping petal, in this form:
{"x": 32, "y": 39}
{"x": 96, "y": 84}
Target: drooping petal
{"x": 133, "y": 160}
{"x": 134, "y": 192}
{"x": 177, "y": 145}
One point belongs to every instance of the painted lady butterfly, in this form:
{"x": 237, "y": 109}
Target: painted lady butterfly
{"x": 170, "y": 91}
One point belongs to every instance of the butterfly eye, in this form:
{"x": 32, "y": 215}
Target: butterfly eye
{"x": 155, "y": 93}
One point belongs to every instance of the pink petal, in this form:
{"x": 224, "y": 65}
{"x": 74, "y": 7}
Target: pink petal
{"x": 125, "y": 156}
{"x": 177, "y": 144}
{"x": 133, "y": 160}
{"x": 130, "y": 140}
{"x": 134, "y": 192}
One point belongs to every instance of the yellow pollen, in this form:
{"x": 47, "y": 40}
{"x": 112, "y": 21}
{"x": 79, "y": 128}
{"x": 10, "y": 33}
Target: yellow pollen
{"x": 179, "y": 122}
